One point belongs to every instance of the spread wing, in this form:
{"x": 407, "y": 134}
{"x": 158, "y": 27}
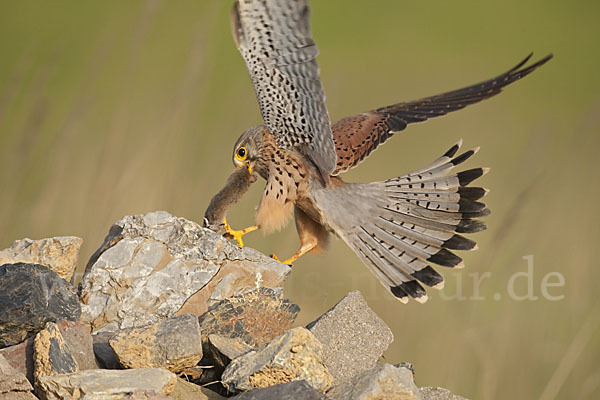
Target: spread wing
{"x": 357, "y": 136}
{"x": 274, "y": 39}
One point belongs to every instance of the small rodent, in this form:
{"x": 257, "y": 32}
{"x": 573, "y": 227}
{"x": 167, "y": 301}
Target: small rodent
{"x": 236, "y": 185}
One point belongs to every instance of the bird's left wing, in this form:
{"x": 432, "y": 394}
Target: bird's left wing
{"x": 274, "y": 39}
{"x": 357, "y": 136}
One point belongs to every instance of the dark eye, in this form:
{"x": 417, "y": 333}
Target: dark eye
{"x": 241, "y": 153}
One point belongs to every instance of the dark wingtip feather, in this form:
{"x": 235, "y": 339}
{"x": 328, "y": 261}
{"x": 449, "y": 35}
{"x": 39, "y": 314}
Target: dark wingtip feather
{"x": 414, "y": 290}
{"x": 445, "y": 258}
{"x": 399, "y": 294}
{"x": 470, "y": 226}
{"x": 452, "y": 151}
{"x": 472, "y": 193}
{"x": 458, "y": 242}
{"x": 469, "y": 206}
{"x": 429, "y": 277}
{"x": 483, "y": 213}
{"x": 463, "y": 157}
{"x": 519, "y": 65}
{"x": 468, "y": 176}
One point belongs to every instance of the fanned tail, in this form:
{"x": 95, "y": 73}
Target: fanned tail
{"x": 401, "y": 226}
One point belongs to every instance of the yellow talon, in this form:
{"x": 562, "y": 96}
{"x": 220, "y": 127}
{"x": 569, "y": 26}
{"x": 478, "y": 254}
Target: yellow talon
{"x": 288, "y": 261}
{"x": 237, "y": 235}
{"x": 305, "y": 249}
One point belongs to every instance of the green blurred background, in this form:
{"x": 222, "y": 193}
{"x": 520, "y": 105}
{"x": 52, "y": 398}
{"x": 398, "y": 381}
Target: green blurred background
{"x": 123, "y": 107}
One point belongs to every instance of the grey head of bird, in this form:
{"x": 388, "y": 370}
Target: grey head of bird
{"x": 248, "y": 151}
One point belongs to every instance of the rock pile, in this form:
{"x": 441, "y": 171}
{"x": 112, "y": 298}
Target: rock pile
{"x": 168, "y": 309}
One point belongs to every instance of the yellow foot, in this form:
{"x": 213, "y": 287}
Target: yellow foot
{"x": 296, "y": 255}
{"x": 288, "y": 262}
{"x": 237, "y": 235}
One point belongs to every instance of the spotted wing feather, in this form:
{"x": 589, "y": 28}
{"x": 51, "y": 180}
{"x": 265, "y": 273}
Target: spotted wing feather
{"x": 274, "y": 39}
{"x": 357, "y": 136}
{"x": 402, "y": 227}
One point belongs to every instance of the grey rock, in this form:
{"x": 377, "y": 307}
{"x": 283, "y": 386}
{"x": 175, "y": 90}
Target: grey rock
{"x": 106, "y": 384}
{"x": 60, "y": 254}
{"x": 382, "y": 382}
{"x": 154, "y": 265}
{"x": 218, "y": 353}
{"x": 255, "y": 317}
{"x": 13, "y": 384}
{"x": 174, "y": 344}
{"x": 105, "y": 355}
{"x": 353, "y": 337}
{"x": 438, "y": 393}
{"x": 294, "y": 390}
{"x": 51, "y": 354}
{"x": 184, "y": 390}
{"x": 221, "y": 350}
{"x": 143, "y": 395}
{"x": 31, "y": 296}
{"x": 295, "y": 355}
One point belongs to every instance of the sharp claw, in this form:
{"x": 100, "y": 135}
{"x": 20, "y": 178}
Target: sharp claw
{"x": 237, "y": 235}
{"x": 288, "y": 261}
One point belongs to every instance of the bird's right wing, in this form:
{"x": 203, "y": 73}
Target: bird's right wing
{"x": 357, "y": 136}
{"x": 273, "y": 37}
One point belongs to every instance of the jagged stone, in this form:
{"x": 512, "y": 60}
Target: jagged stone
{"x": 382, "y": 382}
{"x": 153, "y": 265}
{"x": 106, "y": 384}
{"x": 255, "y": 317}
{"x": 438, "y": 393}
{"x": 218, "y": 353}
{"x": 221, "y": 350}
{"x": 294, "y": 390}
{"x": 184, "y": 390}
{"x": 295, "y": 355}
{"x": 78, "y": 338}
{"x": 105, "y": 355}
{"x": 353, "y": 337}
{"x": 174, "y": 344}
{"x": 60, "y": 254}
{"x": 20, "y": 357}
{"x": 31, "y": 296}
{"x": 13, "y": 384}
{"x": 51, "y": 355}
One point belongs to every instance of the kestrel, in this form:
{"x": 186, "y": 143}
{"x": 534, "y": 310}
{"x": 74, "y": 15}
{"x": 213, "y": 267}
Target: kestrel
{"x": 398, "y": 227}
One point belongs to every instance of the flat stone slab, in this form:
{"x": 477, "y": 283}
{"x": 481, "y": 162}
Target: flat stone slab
{"x": 188, "y": 391}
{"x": 382, "y": 382}
{"x": 295, "y": 390}
{"x": 438, "y": 393}
{"x": 353, "y": 337}
{"x": 106, "y": 384}
{"x": 295, "y": 355}
{"x": 20, "y": 357}
{"x": 60, "y": 254}
{"x": 13, "y": 384}
{"x": 154, "y": 265}
{"x": 174, "y": 344}
{"x": 32, "y": 295}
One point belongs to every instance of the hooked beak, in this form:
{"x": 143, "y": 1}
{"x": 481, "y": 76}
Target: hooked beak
{"x": 247, "y": 165}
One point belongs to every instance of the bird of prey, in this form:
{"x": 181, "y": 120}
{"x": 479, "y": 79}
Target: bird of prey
{"x": 398, "y": 227}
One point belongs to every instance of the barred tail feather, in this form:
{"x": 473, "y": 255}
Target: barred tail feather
{"x": 413, "y": 222}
